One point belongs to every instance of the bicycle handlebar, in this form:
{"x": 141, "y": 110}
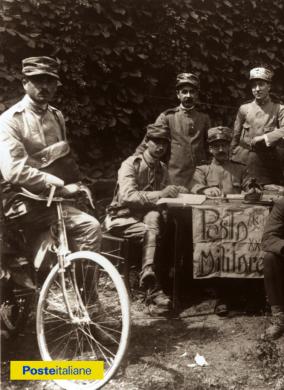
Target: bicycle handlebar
{"x": 52, "y": 198}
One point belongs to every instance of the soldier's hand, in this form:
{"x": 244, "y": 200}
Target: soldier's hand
{"x": 183, "y": 190}
{"x": 68, "y": 190}
{"x": 52, "y": 180}
{"x": 212, "y": 191}
{"x": 170, "y": 191}
{"x": 256, "y": 139}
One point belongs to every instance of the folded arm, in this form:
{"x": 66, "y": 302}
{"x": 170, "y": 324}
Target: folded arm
{"x": 14, "y": 163}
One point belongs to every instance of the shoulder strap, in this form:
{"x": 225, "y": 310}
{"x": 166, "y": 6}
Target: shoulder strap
{"x": 60, "y": 118}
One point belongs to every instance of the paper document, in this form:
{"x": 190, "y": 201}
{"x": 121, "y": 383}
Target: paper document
{"x": 235, "y": 196}
{"x": 184, "y": 199}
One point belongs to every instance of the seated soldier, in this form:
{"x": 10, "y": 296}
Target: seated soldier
{"x": 222, "y": 176}
{"x": 217, "y": 179}
{"x": 142, "y": 181}
{"x": 273, "y": 262}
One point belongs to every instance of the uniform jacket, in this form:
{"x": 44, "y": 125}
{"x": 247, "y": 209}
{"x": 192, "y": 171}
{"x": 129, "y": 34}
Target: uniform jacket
{"x": 30, "y": 143}
{"x": 254, "y": 120}
{"x": 188, "y": 130}
{"x": 137, "y": 191}
{"x": 231, "y": 177}
{"x": 273, "y": 236}
{"x": 32, "y": 146}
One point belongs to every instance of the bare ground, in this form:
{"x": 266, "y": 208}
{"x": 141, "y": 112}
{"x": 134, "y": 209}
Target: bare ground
{"x": 161, "y": 351}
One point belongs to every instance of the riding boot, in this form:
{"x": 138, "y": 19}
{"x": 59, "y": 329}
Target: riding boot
{"x": 276, "y": 330}
{"x": 147, "y": 277}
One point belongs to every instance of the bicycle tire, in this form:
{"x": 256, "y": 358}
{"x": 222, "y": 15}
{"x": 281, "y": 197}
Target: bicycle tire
{"x": 108, "y": 290}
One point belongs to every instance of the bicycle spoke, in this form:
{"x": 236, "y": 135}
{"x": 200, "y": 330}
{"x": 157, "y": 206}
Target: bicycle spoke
{"x": 100, "y": 326}
{"x": 55, "y": 316}
{"x": 95, "y": 328}
{"x": 100, "y": 346}
{"x": 55, "y": 329}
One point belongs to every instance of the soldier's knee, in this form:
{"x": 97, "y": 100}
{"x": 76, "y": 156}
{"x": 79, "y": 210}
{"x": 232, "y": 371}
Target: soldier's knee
{"x": 270, "y": 257}
{"x": 152, "y": 219}
{"x": 96, "y": 226}
{"x": 271, "y": 263}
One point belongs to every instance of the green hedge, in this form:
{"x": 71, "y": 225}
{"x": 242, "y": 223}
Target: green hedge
{"x": 120, "y": 58}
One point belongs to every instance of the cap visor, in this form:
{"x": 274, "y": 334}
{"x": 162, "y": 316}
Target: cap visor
{"x": 40, "y": 72}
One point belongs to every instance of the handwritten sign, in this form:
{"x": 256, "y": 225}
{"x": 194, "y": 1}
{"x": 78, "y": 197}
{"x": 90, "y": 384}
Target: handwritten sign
{"x": 226, "y": 241}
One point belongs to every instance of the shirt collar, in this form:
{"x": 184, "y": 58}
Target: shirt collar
{"x": 30, "y": 104}
{"x": 216, "y": 162}
{"x": 190, "y": 109}
{"x": 263, "y": 102}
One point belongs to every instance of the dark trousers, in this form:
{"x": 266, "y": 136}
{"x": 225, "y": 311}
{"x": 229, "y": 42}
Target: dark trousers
{"x": 264, "y": 166}
{"x": 274, "y": 278}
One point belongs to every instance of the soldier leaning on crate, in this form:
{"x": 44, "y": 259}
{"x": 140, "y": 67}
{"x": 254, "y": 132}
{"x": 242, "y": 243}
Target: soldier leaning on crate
{"x": 188, "y": 131}
{"x": 142, "y": 181}
{"x": 259, "y": 130}
{"x": 35, "y": 154}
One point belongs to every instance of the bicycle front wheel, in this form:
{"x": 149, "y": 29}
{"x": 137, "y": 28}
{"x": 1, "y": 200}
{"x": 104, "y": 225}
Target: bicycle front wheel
{"x": 99, "y": 326}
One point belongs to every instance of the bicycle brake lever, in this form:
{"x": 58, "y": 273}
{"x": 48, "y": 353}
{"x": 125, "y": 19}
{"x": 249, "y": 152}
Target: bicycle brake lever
{"x": 88, "y": 195}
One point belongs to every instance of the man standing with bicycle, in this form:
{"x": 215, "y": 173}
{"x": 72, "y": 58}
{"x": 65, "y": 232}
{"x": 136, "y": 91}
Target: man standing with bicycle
{"x": 35, "y": 154}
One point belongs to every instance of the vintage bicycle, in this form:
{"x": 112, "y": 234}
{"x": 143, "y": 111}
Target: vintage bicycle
{"x": 83, "y": 308}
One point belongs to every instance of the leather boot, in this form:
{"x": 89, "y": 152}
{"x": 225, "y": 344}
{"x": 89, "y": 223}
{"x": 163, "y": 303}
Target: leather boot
{"x": 158, "y": 302}
{"x": 276, "y": 330}
{"x": 147, "y": 276}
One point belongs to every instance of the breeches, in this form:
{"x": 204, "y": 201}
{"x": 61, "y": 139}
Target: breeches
{"x": 83, "y": 230}
{"x": 274, "y": 278}
{"x": 147, "y": 232}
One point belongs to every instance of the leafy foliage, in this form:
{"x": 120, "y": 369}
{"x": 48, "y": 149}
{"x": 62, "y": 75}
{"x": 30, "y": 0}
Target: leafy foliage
{"x": 120, "y": 58}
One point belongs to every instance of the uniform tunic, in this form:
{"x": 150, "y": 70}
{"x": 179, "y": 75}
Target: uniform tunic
{"x": 188, "y": 130}
{"x": 133, "y": 212}
{"x": 230, "y": 177}
{"x": 31, "y": 139}
{"x": 26, "y": 130}
{"x": 140, "y": 180}
{"x": 263, "y": 160}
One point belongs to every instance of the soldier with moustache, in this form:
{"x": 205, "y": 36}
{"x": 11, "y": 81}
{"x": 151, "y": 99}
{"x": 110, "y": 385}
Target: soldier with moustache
{"x": 188, "y": 131}
{"x": 35, "y": 154}
{"x": 142, "y": 180}
{"x": 259, "y": 130}
{"x": 221, "y": 176}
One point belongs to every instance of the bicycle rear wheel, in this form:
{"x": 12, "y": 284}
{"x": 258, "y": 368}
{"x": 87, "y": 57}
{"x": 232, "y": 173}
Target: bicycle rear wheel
{"x": 104, "y": 335}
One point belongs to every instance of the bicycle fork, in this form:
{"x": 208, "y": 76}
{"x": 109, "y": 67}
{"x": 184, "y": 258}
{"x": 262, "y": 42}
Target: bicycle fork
{"x": 63, "y": 251}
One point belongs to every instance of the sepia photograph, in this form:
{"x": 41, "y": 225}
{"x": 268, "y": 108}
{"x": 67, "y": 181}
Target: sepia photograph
{"x": 142, "y": 194}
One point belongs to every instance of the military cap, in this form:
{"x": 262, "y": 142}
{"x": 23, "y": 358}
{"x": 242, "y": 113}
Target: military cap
{"x": 187, "y": 78}
{"x": 34, "y": 66}
{"x": 219, "y": 133}
{"x": 158, "y": 131}
{"x": 261, "y": 73}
